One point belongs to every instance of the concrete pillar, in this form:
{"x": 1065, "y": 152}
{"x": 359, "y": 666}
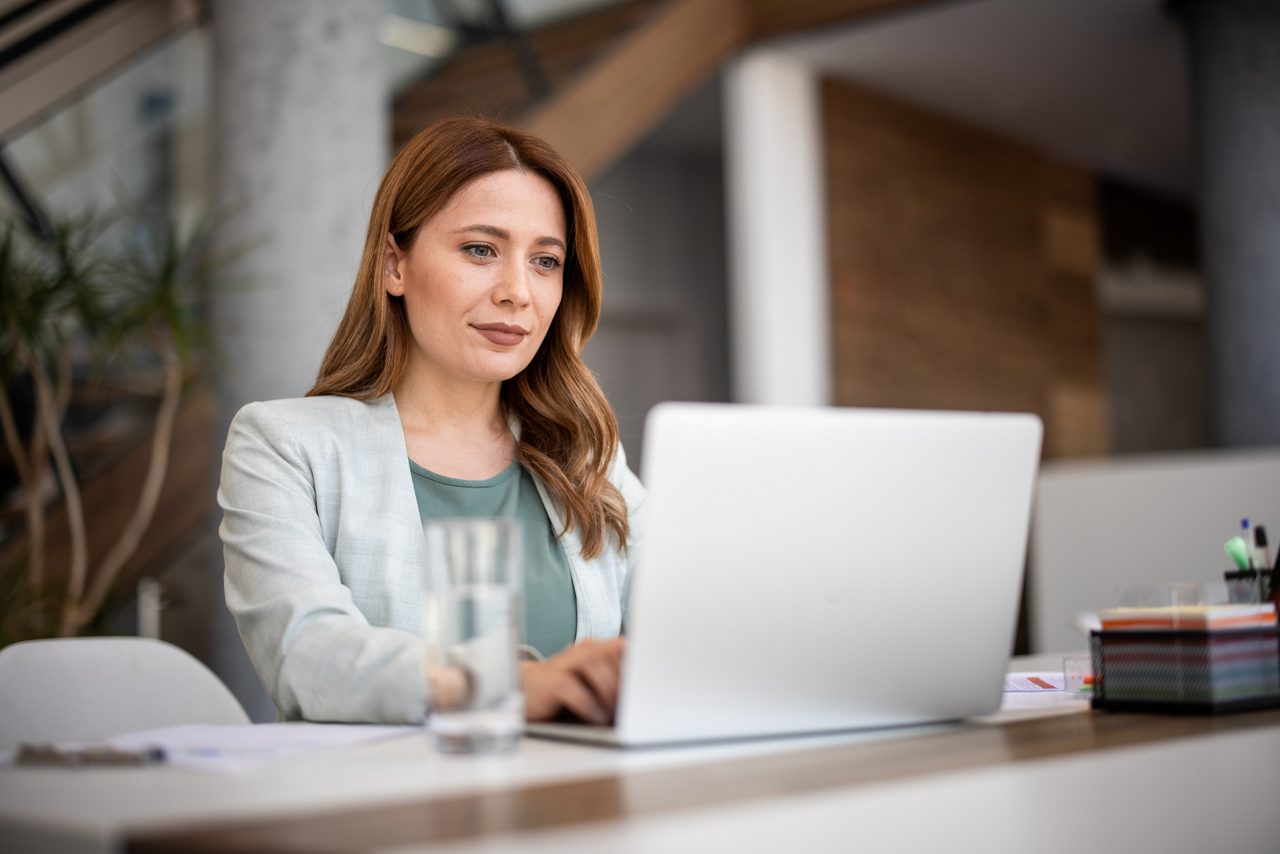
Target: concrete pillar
{"x": 300, "y": 143}
{"x": 1235, "y": 66}
{"x": 779, "y": 285}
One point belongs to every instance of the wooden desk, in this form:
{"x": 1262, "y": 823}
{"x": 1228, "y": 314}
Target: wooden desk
{"x": 1072, "y": 782}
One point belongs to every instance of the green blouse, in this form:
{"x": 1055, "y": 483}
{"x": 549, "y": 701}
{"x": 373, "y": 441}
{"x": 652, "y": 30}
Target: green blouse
{"x": 550, "y": 609}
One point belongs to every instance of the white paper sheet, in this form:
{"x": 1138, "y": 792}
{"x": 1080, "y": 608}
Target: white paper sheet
{"x": 235, "y": 748}
{"x": 1044, "y": 681}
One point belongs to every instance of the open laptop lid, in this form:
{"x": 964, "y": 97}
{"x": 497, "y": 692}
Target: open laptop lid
{"x": 805, "y": 570}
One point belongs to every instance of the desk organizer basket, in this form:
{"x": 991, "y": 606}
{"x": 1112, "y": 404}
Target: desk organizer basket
{"x": 1184, "y": 671}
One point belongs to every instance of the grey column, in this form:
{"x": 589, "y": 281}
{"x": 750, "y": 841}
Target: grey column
{"x": 300, "y": 143}
{"x": 1235, "y": 66}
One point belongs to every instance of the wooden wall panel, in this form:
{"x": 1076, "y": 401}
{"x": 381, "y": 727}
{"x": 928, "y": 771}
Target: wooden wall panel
{"x": 963, "y": 270}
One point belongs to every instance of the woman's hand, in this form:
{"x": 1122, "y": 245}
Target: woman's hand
{"x": 582, "y": 680}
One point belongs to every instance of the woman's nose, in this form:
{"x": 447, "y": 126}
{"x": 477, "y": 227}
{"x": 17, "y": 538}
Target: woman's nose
{"x": 512, "y": 285}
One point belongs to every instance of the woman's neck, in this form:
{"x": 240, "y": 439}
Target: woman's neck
{"x": 454, "y": 428}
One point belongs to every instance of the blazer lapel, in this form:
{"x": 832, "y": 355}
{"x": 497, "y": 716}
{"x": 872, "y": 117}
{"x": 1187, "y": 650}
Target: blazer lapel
{"x": 390, "y": 473}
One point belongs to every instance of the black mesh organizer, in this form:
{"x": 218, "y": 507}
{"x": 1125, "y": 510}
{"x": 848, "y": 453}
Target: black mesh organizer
{"x": 1185, "y": 671}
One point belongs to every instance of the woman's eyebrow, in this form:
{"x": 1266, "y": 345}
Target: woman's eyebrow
{"x": 503, "y": 234}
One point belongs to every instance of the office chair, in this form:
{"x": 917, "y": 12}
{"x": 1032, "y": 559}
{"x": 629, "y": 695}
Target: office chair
{"x": 72, "y": 689}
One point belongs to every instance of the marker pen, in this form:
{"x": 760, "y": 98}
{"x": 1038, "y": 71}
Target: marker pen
{"x": 1244, "y": 535}
{"x": 1262, "y": 554}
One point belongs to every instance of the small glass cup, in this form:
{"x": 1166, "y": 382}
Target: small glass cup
{"x": 472, "y": 625}
{"x": 1077, "y": 676}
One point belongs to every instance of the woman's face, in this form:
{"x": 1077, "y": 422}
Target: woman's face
{"x": 483, "y": 278}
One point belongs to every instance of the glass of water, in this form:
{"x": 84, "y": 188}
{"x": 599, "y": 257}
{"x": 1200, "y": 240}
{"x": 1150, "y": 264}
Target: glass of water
{"x": 472, "y": 624}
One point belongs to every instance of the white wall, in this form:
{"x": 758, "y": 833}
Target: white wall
{"x": 664, "y": 331}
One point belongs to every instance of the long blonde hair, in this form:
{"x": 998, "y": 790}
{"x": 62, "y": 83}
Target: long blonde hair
{"x": 568, "y": 432}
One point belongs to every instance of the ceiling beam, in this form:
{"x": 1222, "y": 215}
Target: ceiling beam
{"x": 598, "y": 117}
{"x": 61, "y": 66}
{"x": 772, "y": 18}
{"x": 602, "y": 109}
{"x": 485, "y": 78}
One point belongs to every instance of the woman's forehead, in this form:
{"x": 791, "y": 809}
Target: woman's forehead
{"x": 519, "y": 197}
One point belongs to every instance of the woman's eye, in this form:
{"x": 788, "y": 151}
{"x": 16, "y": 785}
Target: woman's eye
{"x": 478, "y": 250}
{"x": 546, "y": 262}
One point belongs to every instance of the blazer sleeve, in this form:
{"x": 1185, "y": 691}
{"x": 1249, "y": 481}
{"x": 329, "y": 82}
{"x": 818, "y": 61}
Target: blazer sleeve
{"x": 313, "y": 649}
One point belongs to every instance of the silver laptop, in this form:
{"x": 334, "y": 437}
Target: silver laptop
{"x": 816, "y": 570}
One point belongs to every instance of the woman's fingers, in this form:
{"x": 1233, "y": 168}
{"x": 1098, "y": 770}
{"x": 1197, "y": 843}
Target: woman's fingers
{"x": 577, "y": 698}
{"x": 600, "y": 673}
{"x": 583, "y": 679}
{"x": 599, "y": 665}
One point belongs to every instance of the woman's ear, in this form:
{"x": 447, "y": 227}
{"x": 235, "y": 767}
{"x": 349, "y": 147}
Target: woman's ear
{"x": 392, "y": 261}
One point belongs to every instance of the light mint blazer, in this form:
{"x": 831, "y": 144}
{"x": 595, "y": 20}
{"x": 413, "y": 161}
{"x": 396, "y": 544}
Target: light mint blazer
{"x": 324, "y": 558}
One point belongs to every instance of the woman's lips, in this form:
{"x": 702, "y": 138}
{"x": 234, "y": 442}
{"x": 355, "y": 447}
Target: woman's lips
{"x": 502, "y": 334}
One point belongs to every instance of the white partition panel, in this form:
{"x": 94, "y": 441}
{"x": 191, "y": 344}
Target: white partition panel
{"x": 1144, "y": 520}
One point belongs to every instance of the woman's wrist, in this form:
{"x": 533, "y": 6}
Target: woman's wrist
{"x": 450, "y": 687}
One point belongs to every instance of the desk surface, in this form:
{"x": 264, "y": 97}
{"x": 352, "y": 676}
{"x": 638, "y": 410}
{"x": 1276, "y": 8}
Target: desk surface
{"x": 1032, "y": 780}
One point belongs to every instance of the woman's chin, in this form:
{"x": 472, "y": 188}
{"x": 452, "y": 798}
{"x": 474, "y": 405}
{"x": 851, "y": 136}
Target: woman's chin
{"x": 498, "y": 370}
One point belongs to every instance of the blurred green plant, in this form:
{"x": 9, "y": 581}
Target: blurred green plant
{"x": 104, "y": 290}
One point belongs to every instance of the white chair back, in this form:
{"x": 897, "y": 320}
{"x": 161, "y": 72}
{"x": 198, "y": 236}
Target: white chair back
{"x": 70, "y": 689}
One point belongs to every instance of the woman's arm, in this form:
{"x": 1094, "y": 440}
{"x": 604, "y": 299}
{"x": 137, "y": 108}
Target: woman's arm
{"x": 314, "y": 650}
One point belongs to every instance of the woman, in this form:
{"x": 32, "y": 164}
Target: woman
{"x": 453, "y": 385}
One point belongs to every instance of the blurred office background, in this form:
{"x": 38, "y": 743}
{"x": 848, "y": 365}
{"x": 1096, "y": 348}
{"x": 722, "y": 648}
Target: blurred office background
{"x": 1067, "y": 207}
